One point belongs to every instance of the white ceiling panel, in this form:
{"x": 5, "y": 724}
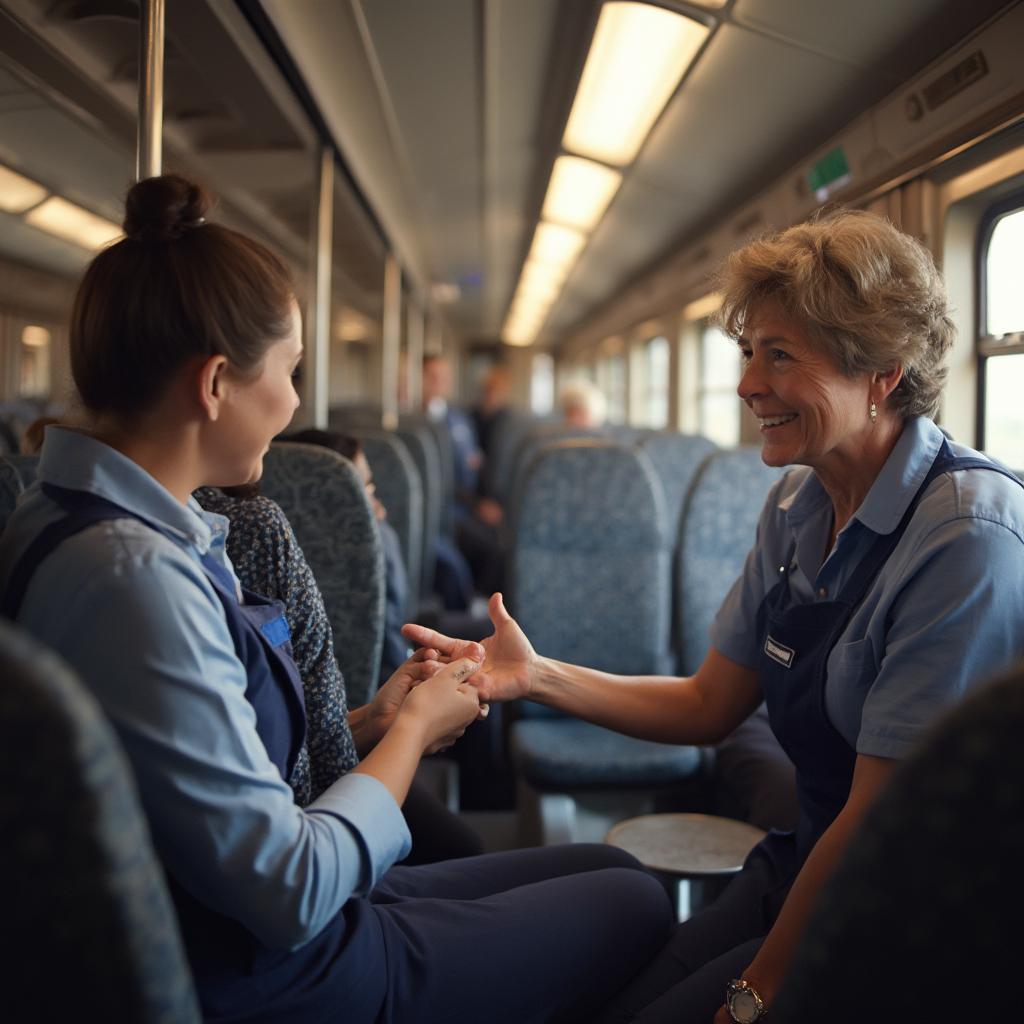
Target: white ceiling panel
{"x": 519, "y": 41}
{"x": 437, "y": 103}
{"x": 719, "y": 140}
{"x": 891, "y": 36}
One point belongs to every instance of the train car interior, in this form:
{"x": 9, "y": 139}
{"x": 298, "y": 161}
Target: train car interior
{"x": 504, "y": 219}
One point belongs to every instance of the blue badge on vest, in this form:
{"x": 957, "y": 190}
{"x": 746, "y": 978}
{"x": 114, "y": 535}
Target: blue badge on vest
{"x": 276, "y": 631}
{"x": 779, "y": 652}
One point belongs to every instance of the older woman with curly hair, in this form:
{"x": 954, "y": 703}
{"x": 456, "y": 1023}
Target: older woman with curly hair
{"x": 884, "y": 582}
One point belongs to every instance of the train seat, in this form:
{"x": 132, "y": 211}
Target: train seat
{"x": 398, "y": 487}
{"x": 590, "y": 584}
{"x": 676, "y": 458}
{"x": 922, "y": 916}
{"x": 422, "y": 446}
{"x": 89, "y": 930}
{"x": 539, "y": 437}
{"x": 326, "y": 503}
{"x": 716, "y": 531}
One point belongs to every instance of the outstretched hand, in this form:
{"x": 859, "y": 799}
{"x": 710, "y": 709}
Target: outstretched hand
{"x": 508, "y": 657}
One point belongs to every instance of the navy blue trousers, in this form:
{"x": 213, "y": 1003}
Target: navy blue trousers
{"x": 540, "y": 935}
{"x": 685, "y": 983}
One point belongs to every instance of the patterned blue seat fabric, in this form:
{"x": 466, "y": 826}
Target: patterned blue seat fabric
{"x": 422, "y": 447}
{"x": 921, "y": 920}
{"x": 399, "y": 490}
{"x": 676, "y": 458}
{"x": 89, "y": 932}
{"x": 590, "y": 585}
{"x": 717, "y": 530}
{"x": 534, "y": 441}
{"x": 326, "y": 504}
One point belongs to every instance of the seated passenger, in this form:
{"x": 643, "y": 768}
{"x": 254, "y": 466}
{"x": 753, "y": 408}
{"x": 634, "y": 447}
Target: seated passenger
{"x": 268, "y": 560}
{"x": 885, "y": 581}
{"x": 184, "y": 339}
{"x": 583, "y": 405}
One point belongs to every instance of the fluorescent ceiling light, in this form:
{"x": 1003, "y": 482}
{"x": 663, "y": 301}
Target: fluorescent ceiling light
{"x": 703, "y": 307}
{"x": 579, "y": 192}
{"x": 553, "y": 243}
{"x": 519, "y": 340}
{"x": 18, "y": 194}
{"x": 542, "y": 274}
{"x": 540, "y": 290}
{"x": 65, "y": 220}
{"x": 34, "y": 336}
{"x": 637, "y": 58}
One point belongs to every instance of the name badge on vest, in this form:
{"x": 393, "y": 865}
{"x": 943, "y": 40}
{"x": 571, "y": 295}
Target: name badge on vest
{"x": 276, "y": 631}
{"x": 779, "y": 652}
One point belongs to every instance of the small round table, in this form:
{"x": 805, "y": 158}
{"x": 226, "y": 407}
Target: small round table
{"x": 685, "y": 848}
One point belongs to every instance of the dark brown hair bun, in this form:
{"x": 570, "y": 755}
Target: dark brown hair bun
{"x": 163, "y": 209}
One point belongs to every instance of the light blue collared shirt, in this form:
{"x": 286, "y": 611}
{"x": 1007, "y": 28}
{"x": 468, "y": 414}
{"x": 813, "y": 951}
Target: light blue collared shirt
{"x": 132, "y": 610}
{"x": 945, "y": 612}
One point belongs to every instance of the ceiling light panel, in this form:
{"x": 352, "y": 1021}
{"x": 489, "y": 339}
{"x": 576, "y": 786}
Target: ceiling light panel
{"x": 579, "y": 192}
{"x": 18, "y": 194}
{"x": 556, "y": 244}
{"x": 65, "y": 220}
{"x": 637, "y": 58}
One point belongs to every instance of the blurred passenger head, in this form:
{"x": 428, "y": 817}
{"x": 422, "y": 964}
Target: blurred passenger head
{"x": 31, "y": 439}
{"x": 494, "y": 390}
{"x": 174, "y": 288}
{"x": 583, "y": 404}
{"x": 868, "y": 294}
{"x": 437, "y": 379}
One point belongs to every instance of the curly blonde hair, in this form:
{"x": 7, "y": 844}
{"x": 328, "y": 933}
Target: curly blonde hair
{"x": 868, "y": 293}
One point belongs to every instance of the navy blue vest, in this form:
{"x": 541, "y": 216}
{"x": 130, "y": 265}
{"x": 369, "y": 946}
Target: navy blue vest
{"x": 237, "y": 978}
{"x": 796, "y": 641}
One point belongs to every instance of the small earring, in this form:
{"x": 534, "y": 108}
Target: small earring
{"x": 873, "y": 412}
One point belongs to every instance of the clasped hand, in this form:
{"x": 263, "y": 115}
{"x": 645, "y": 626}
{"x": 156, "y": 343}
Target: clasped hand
{"x": 444, "y": 708}
{"x": 508, "y": 659}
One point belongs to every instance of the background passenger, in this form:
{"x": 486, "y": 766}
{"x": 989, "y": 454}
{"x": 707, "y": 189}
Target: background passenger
{"x": 885, "y": 581}
{"x": 582, "y": 405}
{"x": 184, "y": 340}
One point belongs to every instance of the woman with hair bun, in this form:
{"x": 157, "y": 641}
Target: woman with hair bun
{"x": 184, "y": 339}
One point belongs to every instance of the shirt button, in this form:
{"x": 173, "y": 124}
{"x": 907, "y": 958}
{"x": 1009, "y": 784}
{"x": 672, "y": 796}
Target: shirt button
{"x": 823, "y": 592}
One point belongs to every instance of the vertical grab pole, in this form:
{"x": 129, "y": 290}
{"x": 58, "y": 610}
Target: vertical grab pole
{"x": 414, "y": 363}
{"x": 392, "y": 331}
{"x": 149, "y": 147}
{"x": 318, "y": 330}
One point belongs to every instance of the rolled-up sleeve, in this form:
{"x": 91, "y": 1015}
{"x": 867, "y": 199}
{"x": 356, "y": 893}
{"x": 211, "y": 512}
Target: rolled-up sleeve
{"x": 148, "y": 635}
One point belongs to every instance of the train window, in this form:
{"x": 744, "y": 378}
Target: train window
{"x": 542, "y": 384}
{"x": 652, "y": 387}
{"x": 611, "y": 379}
{"x": 34, "y": 363}
{"x": 1001, "y": 340}
{"x": 718, "y": 408}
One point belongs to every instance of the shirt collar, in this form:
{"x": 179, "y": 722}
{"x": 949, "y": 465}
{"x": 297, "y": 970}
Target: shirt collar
{"x": 893, "y": 490}
{"x": 75, "y": 460}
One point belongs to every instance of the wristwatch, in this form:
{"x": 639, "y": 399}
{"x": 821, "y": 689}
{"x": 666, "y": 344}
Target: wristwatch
{"x": 743, "y": 1002}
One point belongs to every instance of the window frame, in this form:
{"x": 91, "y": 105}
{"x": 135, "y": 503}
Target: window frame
{"x": 985, "y": 347}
